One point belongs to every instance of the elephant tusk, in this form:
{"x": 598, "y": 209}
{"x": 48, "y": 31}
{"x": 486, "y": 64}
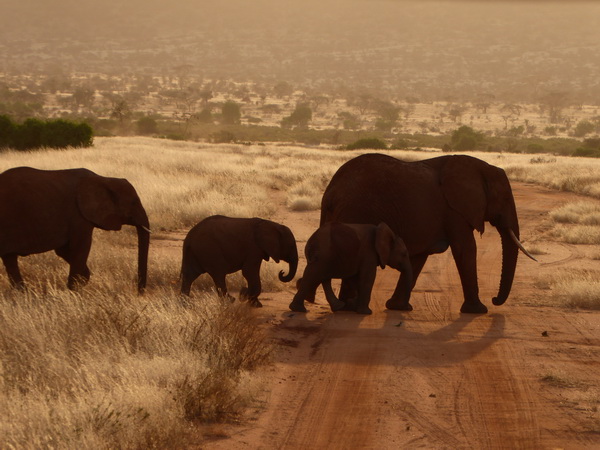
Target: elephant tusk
{"x": 516, "y": 241}
{"x": 146, "y": 229}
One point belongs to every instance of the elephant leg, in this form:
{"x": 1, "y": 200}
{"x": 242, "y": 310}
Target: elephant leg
{"x": 251, "y": 273}
{"x": 348, "y": 290}
{"x": 77, "y": 255}
{"x": 464, "y": 251}
{"x": 307, "y": 286}
{"x": 12, "y": 269}
{"x": 221, "y": 285}
{"x": 366, "y": 280}
{"x": 397, "y": 302}
{"x": 334, "y": 303}
{"x": 188, "y": 276}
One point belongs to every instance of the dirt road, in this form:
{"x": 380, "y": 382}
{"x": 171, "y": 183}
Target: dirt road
{"x": 523, "y": 376}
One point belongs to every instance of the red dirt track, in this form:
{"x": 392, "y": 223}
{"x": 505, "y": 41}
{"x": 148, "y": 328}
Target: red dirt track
{"x": 435, "y": 378}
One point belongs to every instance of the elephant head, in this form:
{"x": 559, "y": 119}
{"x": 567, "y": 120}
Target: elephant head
{"x": 277, "y": 241}
{"x": 110, "y": 203}
{"x": 480, "y": 192}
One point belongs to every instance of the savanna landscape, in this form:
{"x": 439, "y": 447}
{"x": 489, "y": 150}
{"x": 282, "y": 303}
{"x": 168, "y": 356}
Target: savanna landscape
{"x": 104, "y": 367}
{"x": 247, "y": 109}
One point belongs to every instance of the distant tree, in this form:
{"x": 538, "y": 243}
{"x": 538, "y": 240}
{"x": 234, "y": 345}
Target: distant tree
{"x": 299, "y": 118}
{"x": 553, "y": 103}
{"x": 120, "y": 110}
{"x": 583, "y": 128}
{"x": 83, "y": 96}
{"x": 205, "y": 116}
{"x": 283, "y": 89}
{"x": 316, "y": 101}
{"x": 231, "y": 113}
{"x": 205, "y": 95}
{"x": 456, "y": 111}
{"x": 363, "y": 102}
{"x": 349, "y": 120}
{"x": 484, "y": 101}
{"x": 465, "y": 138}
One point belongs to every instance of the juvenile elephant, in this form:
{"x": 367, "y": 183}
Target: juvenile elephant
{"x": 432, "y": 205}
{"x": 220, "y": 245}
{"x": 43, "y": 210}
{"x": 351, "y": 252}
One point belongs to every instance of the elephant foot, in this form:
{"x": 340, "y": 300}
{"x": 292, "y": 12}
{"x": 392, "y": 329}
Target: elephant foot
{"x": 337, "y": 306}
{"x": 398, "y": 306}
{"x": 473, "y": 308}
{"x": 297, "y": 306}
{"x": 364, "y": 310}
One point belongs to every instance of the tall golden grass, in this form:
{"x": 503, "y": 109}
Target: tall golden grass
{"x": 104, "y": 368}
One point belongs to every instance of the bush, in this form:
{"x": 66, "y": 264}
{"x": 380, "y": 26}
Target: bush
{"x": 299, "y": 117}
{"x": 584, "y": 127}
{"x": 7, "y": 129}
{"x": 222, "y": 137}
{"x": 231, "y": 113}
{"x": 372, "y": 143}
{"x": 35, "y": 133}
{"x": 147, "y": 125}
{"x": 465, "y": 138}
{"x": 587, "y": 152}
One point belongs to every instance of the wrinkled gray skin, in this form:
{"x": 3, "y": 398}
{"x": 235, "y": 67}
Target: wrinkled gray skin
{"x": 43, "y": 210}
{"x": 432, "y": 205}
{"x": 220, "y": 245}
{"x": 351, "y": 252}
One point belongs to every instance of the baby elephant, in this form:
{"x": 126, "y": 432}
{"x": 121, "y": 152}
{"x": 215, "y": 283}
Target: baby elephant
{"x": 351, "y": 252}
{"x": 220, "y": 245}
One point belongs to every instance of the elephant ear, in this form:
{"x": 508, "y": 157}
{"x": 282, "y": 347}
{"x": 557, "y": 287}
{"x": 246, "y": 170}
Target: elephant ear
{"x": 96, "y": 204}
{"x": 384, "y": 242}
{"x": 268, "y": 238}
{"x": 464, "y": 188}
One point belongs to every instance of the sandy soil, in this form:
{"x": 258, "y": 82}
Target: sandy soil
{"x": 523, "y": 376}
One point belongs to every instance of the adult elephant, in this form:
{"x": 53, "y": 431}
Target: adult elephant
{"x": 220, "y": 245}
{"x": 43, "y": 210}
{"x": 432, "y": 205}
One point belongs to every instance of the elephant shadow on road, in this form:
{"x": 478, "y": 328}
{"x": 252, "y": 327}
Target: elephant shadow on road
{"x": 398, "y": 339}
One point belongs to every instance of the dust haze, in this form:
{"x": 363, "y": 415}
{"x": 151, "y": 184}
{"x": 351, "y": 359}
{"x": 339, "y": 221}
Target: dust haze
{"x": 435, "y": 50}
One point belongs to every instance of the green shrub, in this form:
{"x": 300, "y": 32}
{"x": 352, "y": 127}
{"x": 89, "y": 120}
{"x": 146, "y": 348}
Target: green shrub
{"x": 372, "y": 143}
{"x": 584, "y": 127}
{"x": 147, "y": 125}
{"x": 535, "y": 148}
{"x": 35, "y": 133}
{"x": 587, "y": 152}
{"x": 7, "y": 129}
{"x": 465, "y": 138}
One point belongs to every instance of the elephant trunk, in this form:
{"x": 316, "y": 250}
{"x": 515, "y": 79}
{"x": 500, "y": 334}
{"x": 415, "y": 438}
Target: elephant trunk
{"x": 143, "y": 233}
{"x": 510, "y": 252}
{"x": 292, "y": 260}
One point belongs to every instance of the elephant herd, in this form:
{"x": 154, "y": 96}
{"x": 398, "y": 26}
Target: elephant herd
{"x": 377, "y": 211}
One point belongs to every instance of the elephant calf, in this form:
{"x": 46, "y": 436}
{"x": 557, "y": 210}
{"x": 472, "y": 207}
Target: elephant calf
{"x": 351, "y": 252}
{"x": 220, "y": 245}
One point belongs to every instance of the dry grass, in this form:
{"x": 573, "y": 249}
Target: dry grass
{"x": 104, "y": 368}
{"x": 576, "y": 288}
